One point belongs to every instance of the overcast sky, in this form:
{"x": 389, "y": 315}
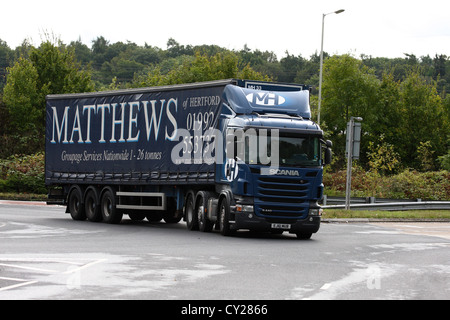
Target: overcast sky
{"x": 383, "y": 28}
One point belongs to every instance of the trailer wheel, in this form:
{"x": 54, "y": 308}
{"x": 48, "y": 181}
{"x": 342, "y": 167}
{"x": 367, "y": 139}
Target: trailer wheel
{"x": 109, "y": 211}
{"x": 204, "y": 224}
{"x": 75, "y": 205}
{"x": 191, "y": 215}
{"x": 171, "y": 215}
{"x": 91, "y": 208}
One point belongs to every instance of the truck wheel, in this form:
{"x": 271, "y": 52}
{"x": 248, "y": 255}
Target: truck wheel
{"x": 224, "y": 218}
{"x": 304, "y": 236}
{"x": 109, "y": 211}
{"x": 91, "y": 208}
{"x": 191, "y": 215}
{"x": 204, "y": 224}
{"x": 75, "y": 206}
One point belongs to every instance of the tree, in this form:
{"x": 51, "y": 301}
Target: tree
{"x": 20, "y": 96}
{"x": 58, "y": 72}
{"x": 81, "y": 51}
{"x": 49, "y": 70}
{"x": 201, "y": 68}
{"x": 6, "y": 58}
{"x": 349, "y": 89}
{"x": 422, "y": 120}
{"x": 384, "y": 119}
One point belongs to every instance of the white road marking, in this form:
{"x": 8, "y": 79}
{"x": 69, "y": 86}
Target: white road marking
{"x": 85, "y": 266}
{"x": 326, "y": 286}
{"x": 28, "y": 268}
{"x": 17, "y": 285}
{"x": 12, "y": 279}
{"x": 76, "y": 266}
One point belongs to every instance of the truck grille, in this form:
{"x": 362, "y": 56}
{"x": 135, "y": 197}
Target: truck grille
{"x": 281, "y": 197}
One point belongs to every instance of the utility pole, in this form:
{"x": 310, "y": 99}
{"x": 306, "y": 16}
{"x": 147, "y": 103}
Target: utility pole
{"x": 352, "y": 152}
{"x": 321, "y": 60}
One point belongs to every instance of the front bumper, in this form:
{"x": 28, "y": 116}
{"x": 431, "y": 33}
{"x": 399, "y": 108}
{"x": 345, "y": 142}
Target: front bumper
{"x": 248, "y": 220}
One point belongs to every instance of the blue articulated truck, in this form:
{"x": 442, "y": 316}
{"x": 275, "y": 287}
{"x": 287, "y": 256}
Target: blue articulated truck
{"x": 224, "y": 155}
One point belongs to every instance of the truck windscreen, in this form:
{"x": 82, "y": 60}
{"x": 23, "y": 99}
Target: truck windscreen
{"x": 294, "y": 151}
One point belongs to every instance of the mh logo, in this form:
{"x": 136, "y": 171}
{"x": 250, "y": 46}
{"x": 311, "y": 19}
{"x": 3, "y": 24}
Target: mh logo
{"x": 266, "y": 99}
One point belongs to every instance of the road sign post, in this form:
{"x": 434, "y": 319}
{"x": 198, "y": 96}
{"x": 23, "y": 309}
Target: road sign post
{"x": 352, "y": 152}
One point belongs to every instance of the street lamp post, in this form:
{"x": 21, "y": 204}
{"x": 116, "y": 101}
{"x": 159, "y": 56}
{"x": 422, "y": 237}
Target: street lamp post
{"x": 321, "y": 60}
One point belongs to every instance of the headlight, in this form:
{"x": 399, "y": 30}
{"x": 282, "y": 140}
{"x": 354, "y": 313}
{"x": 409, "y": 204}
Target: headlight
{"x": 244, "y": 208}
{"x": 315, "y": 212}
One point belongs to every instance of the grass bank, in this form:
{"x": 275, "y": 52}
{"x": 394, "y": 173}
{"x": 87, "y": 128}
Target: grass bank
{"x": 23, "y": 196}
{"x": 369, "y": 214}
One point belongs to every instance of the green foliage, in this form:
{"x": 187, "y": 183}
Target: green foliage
{"x": 23, "y": 174}
{"x": 425, "y": 156}
{"x": 200, "y": 68}
{"x": 20, "y": 95}
{"x": 423, "y": 185}
{"x": 382, "y": 158}
{"x": 409, "y": 184}
{"x": 422, "y": 120}
{"x": 349, "y": 89}
{"x": 445, "y": 161}
{"x": 50, "y": 69}
{"x": 377, "y": 214}
{"x": 403, "y": 101}
{"x": 407, "y": 116}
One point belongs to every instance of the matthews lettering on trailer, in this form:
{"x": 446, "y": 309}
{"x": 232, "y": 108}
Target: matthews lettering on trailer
{"x": 126, "y": 114}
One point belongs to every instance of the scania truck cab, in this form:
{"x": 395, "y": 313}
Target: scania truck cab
{"x": 274, "y": 161}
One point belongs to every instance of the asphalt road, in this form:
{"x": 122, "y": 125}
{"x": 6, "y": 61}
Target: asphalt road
{"x": 46, "y": 255}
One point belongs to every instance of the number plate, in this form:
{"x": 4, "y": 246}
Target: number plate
{"x": 281, "y": 226}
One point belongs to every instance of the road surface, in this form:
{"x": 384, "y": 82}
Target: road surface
{"x": 46, "y": 255}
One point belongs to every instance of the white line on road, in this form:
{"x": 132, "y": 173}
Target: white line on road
{"x": 12, "y": 279}
{"x": 28, "y": 268}
{"x": 85, "y": 266}
{"x": 326, "y": 286}
{"x": 17, "y": 285}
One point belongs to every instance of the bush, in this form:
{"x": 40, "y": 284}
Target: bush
{"x": 23, "y": 174}
{"x": 409, "y": 184}
{"x": 424, "y": 185}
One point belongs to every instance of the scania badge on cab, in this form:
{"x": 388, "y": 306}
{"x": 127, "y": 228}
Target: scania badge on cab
{"x": 229, "y": 154}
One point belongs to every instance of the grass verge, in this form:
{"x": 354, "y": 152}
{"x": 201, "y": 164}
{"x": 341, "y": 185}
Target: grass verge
{"x": 370, "y": 214}
{"x": 22, "y": 196}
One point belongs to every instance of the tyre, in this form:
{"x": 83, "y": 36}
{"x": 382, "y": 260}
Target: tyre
{"x": 204, "y": 224}
{"x": 172, "y": 218}
{"x": 91, "y": 207}
{"x": 75, "y": 205}
{"x": 191, "y": 215}
{"x": 224, "y": 218}
{"x": 304, "y": 235}
{"x": 109, "y": 211}
{"x": 171, "y": 215}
